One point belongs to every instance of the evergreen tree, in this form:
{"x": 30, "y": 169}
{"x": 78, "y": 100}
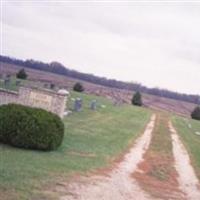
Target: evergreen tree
{"x": 137, "y": 99}
{"x": 22, "y": 74}
{"x": 196, "y": 113}
{"x": 78, "y": 87}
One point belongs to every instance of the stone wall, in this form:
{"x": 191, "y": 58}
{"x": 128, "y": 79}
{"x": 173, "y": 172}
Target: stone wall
{"x": 34, "y": 97}
{"x": 7, "y": 96}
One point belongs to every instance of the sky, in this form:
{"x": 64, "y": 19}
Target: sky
{"x": 156, "y": 43}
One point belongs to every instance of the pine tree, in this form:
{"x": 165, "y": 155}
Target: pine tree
{"x": 22, "y": 74}
{"x": 196, "y": 113}
{"x": 78, "y": 87}
{"x": 137, "y": 99}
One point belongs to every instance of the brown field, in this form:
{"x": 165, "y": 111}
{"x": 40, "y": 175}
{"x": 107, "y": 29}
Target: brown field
{"x": 117, "y": 95}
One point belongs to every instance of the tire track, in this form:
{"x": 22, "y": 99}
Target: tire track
{"x": 187, "y": 179}
{"x": 119, "y": 185}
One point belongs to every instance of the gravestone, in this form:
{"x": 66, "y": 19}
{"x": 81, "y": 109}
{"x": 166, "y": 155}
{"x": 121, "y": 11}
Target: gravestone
{"x": 18, "y": 83}
{"x": 78, "y": 104}
{"x": 93, "y": 105}
{"x": 46, "y": 85}
{"x": 52, "y": 86}
{"x": 7, "y": 82}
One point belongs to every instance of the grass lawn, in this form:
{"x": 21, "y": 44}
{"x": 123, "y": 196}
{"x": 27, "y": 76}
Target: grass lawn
{"x": 186, "y": 129}
{"x": 93, "y": 139}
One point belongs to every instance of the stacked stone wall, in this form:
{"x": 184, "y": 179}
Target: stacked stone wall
{"x": 34, "y": 97}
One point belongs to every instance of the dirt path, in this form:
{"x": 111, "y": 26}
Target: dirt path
{"x": 157, "y": 174}
{"x": 187, "y": 179}
{"x": 119, "y": 185}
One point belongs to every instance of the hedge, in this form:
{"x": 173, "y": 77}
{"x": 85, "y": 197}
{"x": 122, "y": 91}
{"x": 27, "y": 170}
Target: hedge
{"x": 30, "y": 128}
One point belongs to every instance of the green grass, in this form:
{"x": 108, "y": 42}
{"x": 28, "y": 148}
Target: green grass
{"x": 93, "y": 139}
{"x": 190, "y": 139}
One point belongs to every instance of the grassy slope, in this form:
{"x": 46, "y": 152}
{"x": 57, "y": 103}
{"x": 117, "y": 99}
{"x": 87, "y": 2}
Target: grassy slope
{"x": 92, "y": 140}
{"x": 190, "y": 139}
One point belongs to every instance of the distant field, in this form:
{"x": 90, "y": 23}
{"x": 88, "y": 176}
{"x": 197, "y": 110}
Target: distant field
{"x": 93, "y": 139}
{"x": 186, "y": 129}
{"x": 150, "y": 101}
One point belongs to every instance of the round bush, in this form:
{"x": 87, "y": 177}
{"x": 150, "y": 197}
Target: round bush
{"x": 78, "y": 87}
{"x": 196, "y": 113}
{"x": 30, "y": 128}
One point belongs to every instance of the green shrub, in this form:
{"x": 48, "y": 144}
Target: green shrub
{"x": 78, "y": 87}
{"x": 30, "y": 128}
{"x": 137, "y": 99}
{"x": 196, "y": 113}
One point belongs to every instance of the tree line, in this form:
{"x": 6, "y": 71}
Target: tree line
{"x": 58, "y": 68}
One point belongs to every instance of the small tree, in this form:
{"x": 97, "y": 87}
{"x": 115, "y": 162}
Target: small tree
{"x": 78, "y": 87}
{"x": 196, "y": 113}
{"x": 137, "y": 99}
{"x": 22, "y": 74}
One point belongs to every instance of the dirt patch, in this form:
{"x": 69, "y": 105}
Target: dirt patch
{"x": 157, "y": 174}
{"x": 187, "y": 178}
{"x": 157, "y": 178}
{"x": 8, "y": 194}
{"x": 118, "y": 185}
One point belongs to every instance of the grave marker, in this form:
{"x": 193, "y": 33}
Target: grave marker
{"x": 93, "y": 105}
{"x": 78, "y": 104}
{"x": 17, "y": 82}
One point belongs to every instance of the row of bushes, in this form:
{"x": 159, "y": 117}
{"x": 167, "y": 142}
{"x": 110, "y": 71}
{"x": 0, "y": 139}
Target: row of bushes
{"x": 31, "y": 128}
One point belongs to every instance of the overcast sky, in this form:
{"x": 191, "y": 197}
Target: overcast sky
{"x": 154, "y": 43}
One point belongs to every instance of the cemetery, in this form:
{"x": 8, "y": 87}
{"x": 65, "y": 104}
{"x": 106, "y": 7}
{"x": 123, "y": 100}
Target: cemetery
{"x": 100, "y": 100}
{"x": 53, "y": 101}
{"x": 81, "y": 129}
{"x": 48, "y": 99}
{"x": 86, "y": 132}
